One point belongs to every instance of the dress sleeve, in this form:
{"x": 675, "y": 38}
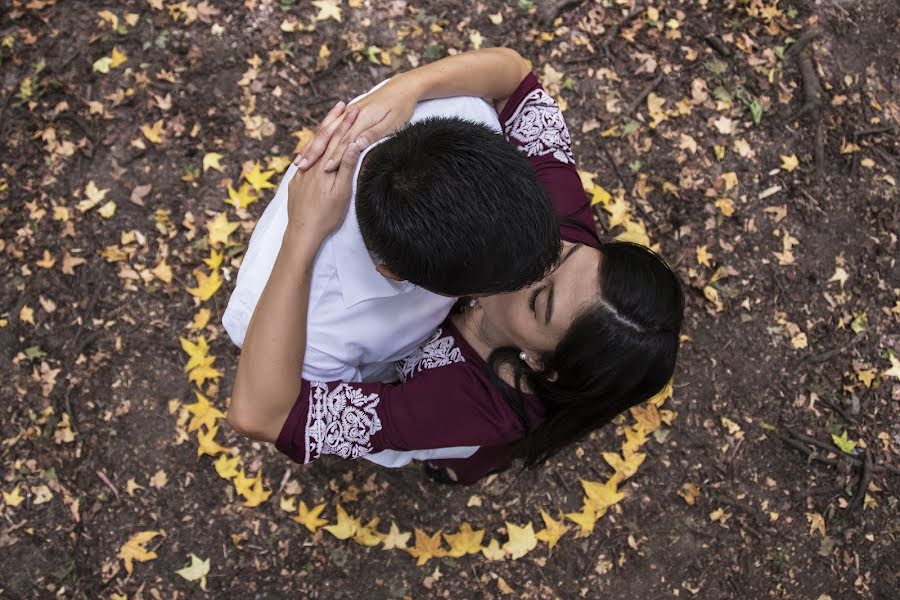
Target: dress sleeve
{"x": 533, "y": 122}
{"x": 450, "y": 406}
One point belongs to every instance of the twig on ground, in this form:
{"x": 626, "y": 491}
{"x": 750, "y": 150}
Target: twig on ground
{"x": 717, "y": 45}
{"x": 864, "y": 479}
{"x": 614, "y": 30}
{"x": 812, "y": 94}
{"x": 108, "y": 483}
{"x": 640, "y": 97}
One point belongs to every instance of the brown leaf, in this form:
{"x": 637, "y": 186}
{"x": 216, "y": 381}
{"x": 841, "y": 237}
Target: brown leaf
{"x": 138, "y": 193}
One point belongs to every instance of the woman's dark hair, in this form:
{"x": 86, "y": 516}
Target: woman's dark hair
{"x": 453, "y": 207}
{"x": 615, "y": 355}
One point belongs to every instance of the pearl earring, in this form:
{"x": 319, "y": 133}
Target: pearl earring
{"x": 472, "y": 303}
{"x": 523, "y": 357}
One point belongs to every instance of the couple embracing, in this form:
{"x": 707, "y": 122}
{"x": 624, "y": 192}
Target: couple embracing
{"x": 428, "y": 284}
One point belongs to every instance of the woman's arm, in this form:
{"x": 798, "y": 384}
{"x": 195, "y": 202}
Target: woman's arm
{"x": 492, "y": 73}
{"x": 268, "y": 374}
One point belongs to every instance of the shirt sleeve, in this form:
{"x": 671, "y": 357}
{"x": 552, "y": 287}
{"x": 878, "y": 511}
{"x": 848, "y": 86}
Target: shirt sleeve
{"x": 450, "y": 406}
{"x": 533, "y": 122}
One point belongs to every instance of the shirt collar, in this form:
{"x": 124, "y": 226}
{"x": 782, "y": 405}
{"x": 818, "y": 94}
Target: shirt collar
{"x": 355, "y": 268}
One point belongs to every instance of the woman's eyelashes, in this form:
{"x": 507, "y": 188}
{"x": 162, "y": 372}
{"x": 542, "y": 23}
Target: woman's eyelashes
{"x": 532, "y": 301}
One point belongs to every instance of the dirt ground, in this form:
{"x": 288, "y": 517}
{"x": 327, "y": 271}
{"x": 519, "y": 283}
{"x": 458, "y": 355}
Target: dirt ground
{"x": 755, "y": 139}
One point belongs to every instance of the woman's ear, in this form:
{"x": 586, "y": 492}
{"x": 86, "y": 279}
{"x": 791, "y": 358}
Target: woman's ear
{"x": 387, "y": 273}
{"x": 535, "y": 364}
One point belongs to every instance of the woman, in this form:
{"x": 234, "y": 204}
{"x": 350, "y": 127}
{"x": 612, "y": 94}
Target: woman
{"x": 519, "y": 374}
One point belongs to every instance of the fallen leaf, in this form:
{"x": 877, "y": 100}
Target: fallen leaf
{"x": 134, "y": 550}
{"x": 493, "y": 551}
{"x": 789, "y": 163}
{"x": 395, "y": 539}
{"x": 426, "y": 547}
{"x": 309, "y": 518}
{"x": 197, "y": 570}
{"x": 13, "y": 498}
{"x": 211, "y": 160}
{"x": 845, "y": 444}
{"x": 345, "y": 527}
{"x": 328, "y": 9}
{"x": 466, "y": 541}
{"x": 816, "y": 522}
{"x": 553, "y": 529}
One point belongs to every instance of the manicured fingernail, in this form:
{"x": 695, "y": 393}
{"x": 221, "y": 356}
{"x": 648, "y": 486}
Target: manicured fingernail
{"x": 362, "y": 142}
{"x": 303, "y": 163}
{"x": 328, "y": 165}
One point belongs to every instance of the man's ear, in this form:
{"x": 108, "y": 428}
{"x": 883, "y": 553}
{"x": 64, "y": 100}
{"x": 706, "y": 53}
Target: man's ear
{"x": 387, "y": 273}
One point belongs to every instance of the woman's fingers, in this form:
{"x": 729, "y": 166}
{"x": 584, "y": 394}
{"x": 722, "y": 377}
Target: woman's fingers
{"x": 362, "y": 134}
{"x": 316, "y": 147}
{"x": 339, "y": 133}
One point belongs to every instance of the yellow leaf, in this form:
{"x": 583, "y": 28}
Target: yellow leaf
{"x": 196, "y": 571}
{"x": 207, "y": 444}
{"x": 584, "y": 519}
{"x": 134, "y": 549}
{"x": 658, "y": 400}
{"x": 476, "y": 39}
{"x": 395, "y": 539}
{"x": 624, "y": 467}
{"x": 426, "y": 547}
{"x": 226, "y": 467}
{"x": 467, "y": 541}
{"x": 601, "y": 496}
{"x": 816, "y": 522}
{"x": 703, "y": 256}
{"x": 201, "y": 319}
{"x": 726, "y": 206}
{"x": 587, "y": 179}
{"x": 242, "y": 197}
{"x": 368, "y": 535}
{"x": 214, "y": 261}
{"x": 278, "y": 163}
{"x": 287, "y": 503}
{"x": 328, "y": 9}
{"x": 789, "y": 163}
{"x": 153, "y": 132}
{"x": 204, "y": 371}
{"x": 207, "y": 285}
{"x": 220, "y": 228}
{"x": 26, "y": 314}
{"x": 504, "y": 587}
{"x": 689, "y": 491}
{"x": 618, "y": 210}
{"x": 553, "y": 530}
{"x": 646, "y": 416}
{"x": 636, "y": 233}
{"x": 13, "y": 498}
{"x": 256, "y": 494}
{"x": 846, "y": 445}
{"x": 521, "y": 540}
{"x": 118, "y": 57}
{"x": 203, "y": 412}
{"x": 654, "y": 108}
{"x": 109, "y": 17}
{"x": 211, "y": 161}
{"x": 259, "y": 179}
{"x": 894, "y": 371}
{"x": 635, "y": 437}
{"x": 94, "y": 197}
{"x": 47, "y": 261}
{"x": 162, "y": 271}
{"x": 309, "y": 518}
{"x": 712, "y": 294}
{"x": 107, "y": 210}
{"x": 197, "y": 352}
{"x": 324, "y": 52}
{"x": 493, "y": 551}
{"x": 303, "y": 137}
{"x": 345, "y": 527}
{"x": 600, "y": 196}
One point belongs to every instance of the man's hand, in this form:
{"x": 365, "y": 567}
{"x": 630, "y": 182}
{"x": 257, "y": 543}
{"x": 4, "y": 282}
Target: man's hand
{"x": 381, "y": 113}
{"x": 318, "y": 199}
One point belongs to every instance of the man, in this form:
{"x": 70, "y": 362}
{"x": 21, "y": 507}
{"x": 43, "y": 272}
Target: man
{"x": 446, "y": 204}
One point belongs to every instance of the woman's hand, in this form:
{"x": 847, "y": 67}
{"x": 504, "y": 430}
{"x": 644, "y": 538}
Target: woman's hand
{"x": 318, "y": 199}
{"x": 381, "y": 113}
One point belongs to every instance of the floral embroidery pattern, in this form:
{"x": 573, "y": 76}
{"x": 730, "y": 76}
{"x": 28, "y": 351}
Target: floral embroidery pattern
{"x": 437, "y": 352}
{"x": 340, "y": 421}
{"x": 538, "y": 128}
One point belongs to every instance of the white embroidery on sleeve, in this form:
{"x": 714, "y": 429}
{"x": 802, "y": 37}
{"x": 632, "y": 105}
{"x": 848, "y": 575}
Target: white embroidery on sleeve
{"x": 436, "y": 352}
{"x": 340, "y": 421}
{"x": 538, "y": 128}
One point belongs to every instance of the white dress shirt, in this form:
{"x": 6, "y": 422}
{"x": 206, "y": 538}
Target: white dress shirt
{"x": 359, "y": 323}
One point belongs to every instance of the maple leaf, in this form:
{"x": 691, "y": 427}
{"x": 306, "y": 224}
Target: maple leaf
{"x": 521, "y": 540}
{"x": 278, "y": 163}
{"x": 211, "y": 161}
{"x": 395, "y": 539}
{"x": 328, "y": 9}
{"x": 259, "y": 179}
{"x": 626, "y": 467}
{"x": 253, "y": 491}
{"x": 118, "y": 57}
{"x": 345, "y": 527}
{"x": 493, "y": 551}
{"x": 197, "y": 352}
{"x": 13, "y": 498}
{"x": 584, "y": 519}
{"x": 207, "y": 285}
{"x": 242, "y": 197}
{"x": 153, "y": 132}
{"x": 47, "y": 261}
{"x": 197, "y": 570}
{"x": 204, "y": 413}
{"x": 201, "y": 319}
{"x": 226, "y": 467}
{"x": 287, "y": 503}
{"x": 162, "y": 271}
{"x": 204, "y": 371}
{"x": 26, "y": 314}
{"x": 816, "y": 522}
{"x": 220, "y": 228}
{"x": 646, "y": 416}
{"x": 601, "y": 496}
{"x": 94, "y": 197}
{"x": 635, "y": 437}
{"x": 789, "y": 163}
{"x": 467, "y": 541}
{"x": 654, "y": 108}
{"x": 207, "y": 444}
{"x": 214, "y": 261}
{"x": 101, "y": 65}
{"x": 618, "y": 210}
{"x": 303, "y": 137}
{"x": 309, "y": 518}
{"x": 840, "y": 275}
{"x": 600, "y": 196}
{"x": 134, "y": 550}
{"x": 368, "y": 535}
{"x": 846, "y": 445}
{"x": 553, "y": 530}
{"x": 894, "y": 371}
{"x": 703, "y": 256}
{"x": 426, "y": 547}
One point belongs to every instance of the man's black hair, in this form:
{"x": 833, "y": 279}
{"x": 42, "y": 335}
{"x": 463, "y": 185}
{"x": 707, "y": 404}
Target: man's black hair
{"x": 451, "y": 206}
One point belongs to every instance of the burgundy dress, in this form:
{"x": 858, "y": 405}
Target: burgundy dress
{"x": 446, "y": 397}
